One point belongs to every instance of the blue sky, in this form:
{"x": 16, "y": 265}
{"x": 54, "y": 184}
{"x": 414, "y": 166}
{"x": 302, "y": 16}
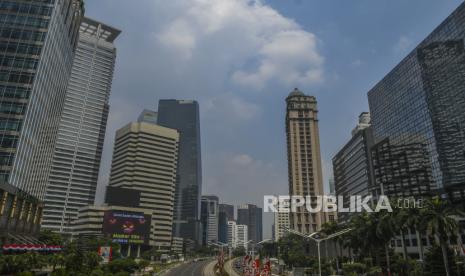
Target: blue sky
{"x": 240, "y": 59}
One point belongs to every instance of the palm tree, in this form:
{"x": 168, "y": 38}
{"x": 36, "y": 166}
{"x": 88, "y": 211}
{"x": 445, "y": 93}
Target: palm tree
{"x": 439, "y": 219}
{"x": 386, "y": 229}
{"x": 329, "y": 228}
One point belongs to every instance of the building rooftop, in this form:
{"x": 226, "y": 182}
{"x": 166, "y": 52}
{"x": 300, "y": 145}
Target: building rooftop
{"x": 95, "y": 28}
{"x": 296, "y": 92}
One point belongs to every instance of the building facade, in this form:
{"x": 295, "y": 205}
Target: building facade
{"x": 422, "y": 101}
{"x": 184, "y": 117}
{"x": 145, "y": 158}
{"x": 73, "y": 178}
{"x": 281, "y": 223}
{"x": 228, "y": 210}
{"x": 226, "y": 214}
{"x": 232, "y": 234}
{"x": 304, "y": 159}
{"x": 20, "y": 216}
{"x": 96, "y": 221}
{"x": 37, "y": 47}
{"x": 251, "y": 215}
{"x": 353, "y": 166}
{"x": 209, "y": 218}
{"x": 242, "y": 235}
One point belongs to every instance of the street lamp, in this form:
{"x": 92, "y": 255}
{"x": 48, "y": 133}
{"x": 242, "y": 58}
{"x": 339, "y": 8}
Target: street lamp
{"x": 314, "y": 236}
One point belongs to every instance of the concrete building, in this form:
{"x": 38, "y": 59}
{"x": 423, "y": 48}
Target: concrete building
{"x": 145, "y": 159}
{"x": 304, "y": 159}
{"x": 251, "y": 215}
{"x": 281, "y": 223}
{"x": 226, "y": 214}
{"x": 184, "y": 116}
{"x": 228, "y": 209}
{"x": 36, "y": 56}
{"x": 99, "y": 220}
{"x": 209, "y": 218}
{"x": 353, "y": 166}
{"x": 73, "y": 178}
{"x": 242, "y": 236}
{"x": 232, "y": 234}
{"x": 20, "y": 216}
{"x": 177, "y": 245}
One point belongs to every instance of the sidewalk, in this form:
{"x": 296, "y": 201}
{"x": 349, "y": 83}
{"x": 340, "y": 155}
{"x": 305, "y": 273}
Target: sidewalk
{"x": 209, "y": 269}
{"x": 228, "y": 267}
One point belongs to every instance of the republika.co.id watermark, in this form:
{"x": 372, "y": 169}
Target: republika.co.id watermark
{"x": 329, "y": 203}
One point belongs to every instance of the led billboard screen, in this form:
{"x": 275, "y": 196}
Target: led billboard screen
{"x": 126, "y": 227}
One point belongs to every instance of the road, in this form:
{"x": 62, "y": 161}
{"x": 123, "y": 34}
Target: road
{"x": 189, "y": 269}
{"x": 228, "y": 266}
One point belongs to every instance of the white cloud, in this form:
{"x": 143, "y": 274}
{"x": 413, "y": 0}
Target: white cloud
{"x": 404, "y": 44}
{"x": 255, "y": 42}
{"x": 232, "y": 107}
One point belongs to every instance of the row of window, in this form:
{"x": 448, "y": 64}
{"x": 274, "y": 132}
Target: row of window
{"x": 11, "y": 33}
{"x": 8, "y": 141}
{"x": 20, "y": 48}
{"x": 24, "y": 78}
{"x": 25, "y": 8}
{"x": 20, "y": 63}
{"x": 12, "y": 108}
{"x": 14, "y": 92}
{"x": 10, "y": 124}
{"x": 24, "y": 21}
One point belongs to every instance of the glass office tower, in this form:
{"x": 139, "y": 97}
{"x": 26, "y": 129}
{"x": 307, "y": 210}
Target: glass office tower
{"x": 422, "y": 101}
{"x": 37, "y": 45}
{"x": 76, "y": 163}
{"x": 184, "y": 116}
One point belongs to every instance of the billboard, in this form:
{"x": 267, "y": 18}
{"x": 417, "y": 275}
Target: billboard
{"x": 105, "y": 253}
{"x": 126, "y": 227}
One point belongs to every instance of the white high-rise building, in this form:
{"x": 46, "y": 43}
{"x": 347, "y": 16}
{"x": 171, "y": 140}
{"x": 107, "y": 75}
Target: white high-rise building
{"x": 237, "y": 235}
{"x": 281, "y": 223}
{"x": 210, "y": 218}
{"x": 242, "y": 235}
{"x": 232, "y": 234}
{"x": 73, "y": 177}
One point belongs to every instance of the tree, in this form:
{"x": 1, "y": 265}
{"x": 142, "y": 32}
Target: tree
{"x": 239, "y": 251}
{"x": 50, "y": 238}
{"x": 438, "y": 217}
{"x": 329, "y": 228}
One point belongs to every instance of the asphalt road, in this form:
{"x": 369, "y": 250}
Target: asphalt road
{"x": 189, "y": 269}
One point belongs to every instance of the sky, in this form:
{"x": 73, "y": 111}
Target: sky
{"x": 240, "y": 59}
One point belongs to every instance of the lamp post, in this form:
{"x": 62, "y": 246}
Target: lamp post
{"x": 219, "y": 245}
{"x": 315, "y": 237}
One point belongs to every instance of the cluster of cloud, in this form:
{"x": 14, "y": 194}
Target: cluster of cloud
{"x": 258, "y": 43}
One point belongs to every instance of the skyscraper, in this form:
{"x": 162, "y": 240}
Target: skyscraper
{"x": 73, "y": 179}
{"x": 37, "y": 46}
{"x": 353, "y": 166}
{"x": 209, "y": 218}
{"x": 304, "y": 160}
{"x": 145, "y": 158}
{"x": 251, "y": 215}
{"x": 226, "y": 214}
{"x": 184, "y": 116}
{"x": 281, "y": 223}
{"x": 228, "y": 209}
{"x": 422, "y": 101}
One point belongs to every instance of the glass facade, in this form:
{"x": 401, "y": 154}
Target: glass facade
{"x": 37, "y": 43}
{"x": 352, "y": 168}
{"x": 184, "y": 116}
{"x": 251, "y": 215}
{"x": 421, "y": 101}
{"x": 76, "y": 162}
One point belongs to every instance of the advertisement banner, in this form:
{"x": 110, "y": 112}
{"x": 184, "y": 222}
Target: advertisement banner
{"x": 126, "y": 227}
